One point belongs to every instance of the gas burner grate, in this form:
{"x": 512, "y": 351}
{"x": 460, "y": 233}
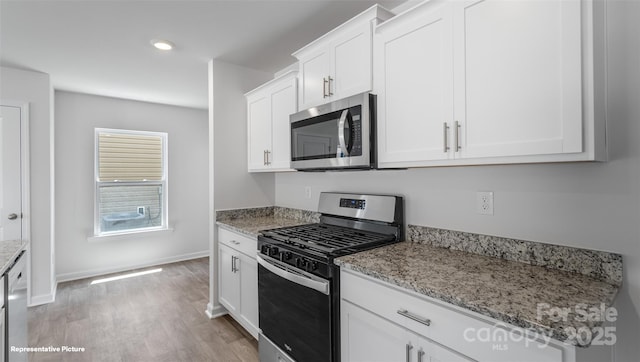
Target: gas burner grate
{"x": 327, "y": 238}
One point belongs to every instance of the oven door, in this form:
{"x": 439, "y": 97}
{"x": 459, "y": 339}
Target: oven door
{"x": 295, "y": 310}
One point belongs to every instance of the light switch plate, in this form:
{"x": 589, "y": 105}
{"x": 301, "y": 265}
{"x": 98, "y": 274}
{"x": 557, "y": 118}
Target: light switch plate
{"x": 307, "y": 192}
{"x": 484, "y": 202}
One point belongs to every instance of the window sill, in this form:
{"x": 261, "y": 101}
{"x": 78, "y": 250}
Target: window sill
{"x": 129, "y": 235}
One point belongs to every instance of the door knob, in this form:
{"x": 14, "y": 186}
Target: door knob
{"x": 13, "y": 216}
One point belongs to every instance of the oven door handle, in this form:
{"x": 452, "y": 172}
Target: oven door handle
{"x": 305, "y": 281}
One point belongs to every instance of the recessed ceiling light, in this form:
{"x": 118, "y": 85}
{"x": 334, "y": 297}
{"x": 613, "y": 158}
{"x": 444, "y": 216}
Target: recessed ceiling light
{"x": 162, "y": 44}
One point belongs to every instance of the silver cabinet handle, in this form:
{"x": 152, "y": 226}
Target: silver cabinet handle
{"x": 457, "y": 139}
{"x": 420, "y": 354}
{"x": 13, "y": 216}
{"x": 446, "y": 139}
{"x": 233, "y": 264}
{"x": 268, "y": 162}
{"x": 329, "y": 82}
{"x": 409, "y": 348}
{"x": 405, "y": 313}
{"x": 324, "y": 87}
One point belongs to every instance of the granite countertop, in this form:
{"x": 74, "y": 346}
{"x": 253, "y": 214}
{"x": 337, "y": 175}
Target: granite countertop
{"x": 502, "y": 289}
{"x": 251, "y": 221}
{"x": 9, "y": 250}
{"x": 252, "y": 226}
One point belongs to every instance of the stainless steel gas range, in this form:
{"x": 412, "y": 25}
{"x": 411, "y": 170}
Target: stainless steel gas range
{"x": 298, "y": 283}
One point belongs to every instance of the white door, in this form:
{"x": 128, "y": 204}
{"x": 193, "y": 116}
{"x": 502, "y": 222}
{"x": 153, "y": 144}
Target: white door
{"x": 414, "y": 82}
{"x": 229, "y": 280}
{"x": 351, "y": 63}
{"x": 367, "y": 337}
{"x": 10, "y": 174}
{"x": 249, "y": 292}
{"x": 259, "y": 123}
{"x": 314, "y": 72}
{"x": 283, "y": 104}
{"x": 518, "y": 77}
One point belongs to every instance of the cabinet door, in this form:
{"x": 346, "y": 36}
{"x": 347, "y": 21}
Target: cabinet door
{"x": 351, "y": 67}
{"x": 283, "y": 104}
{"x": 259, "y": 130}
{"x": 367, "y": 337}
{"x": 425, "y": 350}
{"x": 518, "y": 77}
{"x": 248, "y": 270}
{"x": 414, "y": 80}
{"x": 314, "y": 69}
{"x": 228, "y": 279}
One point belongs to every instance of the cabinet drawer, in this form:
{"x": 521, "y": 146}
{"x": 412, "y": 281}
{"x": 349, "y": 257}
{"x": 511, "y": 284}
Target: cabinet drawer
{"x": 243, "y": 244}
{"x": 480, "y": 338}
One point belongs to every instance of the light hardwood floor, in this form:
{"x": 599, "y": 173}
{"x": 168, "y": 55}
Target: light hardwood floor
{"x": 154, "y": 317}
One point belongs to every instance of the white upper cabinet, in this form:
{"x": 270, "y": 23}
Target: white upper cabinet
{"x": 339, "y": 64}
{"x": 415, "y": 88}
{"x": 518, "y": 77}
{"x": 268, "y": 110}
{"x": 490, "y": 81}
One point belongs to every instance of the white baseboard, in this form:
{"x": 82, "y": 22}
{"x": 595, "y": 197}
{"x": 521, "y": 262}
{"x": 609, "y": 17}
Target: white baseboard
{"x": 102, "y": 271}
{"x": 44, "y": 298}
{"x": 215, "y": 312}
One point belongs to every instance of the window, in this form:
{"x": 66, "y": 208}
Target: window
{"x": 131, "y": 181}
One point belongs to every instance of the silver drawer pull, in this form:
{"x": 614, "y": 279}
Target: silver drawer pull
{"x": 405, "y": 313}
{"x": 408, "y": 350}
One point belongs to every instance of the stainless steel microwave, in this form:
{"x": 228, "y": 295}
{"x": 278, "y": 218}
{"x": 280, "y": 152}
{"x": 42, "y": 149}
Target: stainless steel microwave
{"x": 336, "y": 135}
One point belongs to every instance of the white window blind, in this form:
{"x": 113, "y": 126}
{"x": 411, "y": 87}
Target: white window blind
{"x": 129, "y": 157}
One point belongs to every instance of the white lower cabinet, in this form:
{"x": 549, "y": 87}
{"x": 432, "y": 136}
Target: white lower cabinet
{"x": 385, "y": 323}
{"x": 367, "y": 337}
{"x": 238, "y": 278}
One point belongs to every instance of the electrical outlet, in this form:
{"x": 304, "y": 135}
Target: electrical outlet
{"x": 484, "y": 202}
{"x": 307, "y": 192}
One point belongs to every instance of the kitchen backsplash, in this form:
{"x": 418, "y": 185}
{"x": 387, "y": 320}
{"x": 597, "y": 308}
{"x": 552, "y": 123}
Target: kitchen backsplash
{"x": 599, "y": 265}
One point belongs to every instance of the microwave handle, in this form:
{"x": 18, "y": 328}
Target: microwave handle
{"x": 343, "y": 119}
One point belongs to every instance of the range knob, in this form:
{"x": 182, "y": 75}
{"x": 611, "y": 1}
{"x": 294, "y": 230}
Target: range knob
{"x": 314, "y": 265}
{"x": 265, "y": 249}
{"x": 299, "y": 262}
{"x": 287, "y": 255}
{"x": 273, "y": 251}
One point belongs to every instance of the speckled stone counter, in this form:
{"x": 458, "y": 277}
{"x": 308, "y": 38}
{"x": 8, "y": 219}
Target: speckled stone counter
{"x": 9, "y": 250}
{"x": 506, "y": 290}
{"x": 253, "y": 220}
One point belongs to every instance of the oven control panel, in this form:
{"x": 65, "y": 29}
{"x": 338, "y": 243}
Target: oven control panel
{"x": 353, "y": 203}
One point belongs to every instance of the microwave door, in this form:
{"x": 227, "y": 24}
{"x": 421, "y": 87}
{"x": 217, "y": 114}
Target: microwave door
{"x": 316, "y": 138}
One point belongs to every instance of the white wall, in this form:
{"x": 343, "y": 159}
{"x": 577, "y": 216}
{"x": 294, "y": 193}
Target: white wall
{"x": 35, "y": 88}
{"x": 234, "y": 186}
{"x": 231, "y": 186}
{"x": 591, "y": 205}
{"x": 76, "y": 117}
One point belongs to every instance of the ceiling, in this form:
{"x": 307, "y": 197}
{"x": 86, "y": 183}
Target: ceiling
{"x": 103, "y": 46}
